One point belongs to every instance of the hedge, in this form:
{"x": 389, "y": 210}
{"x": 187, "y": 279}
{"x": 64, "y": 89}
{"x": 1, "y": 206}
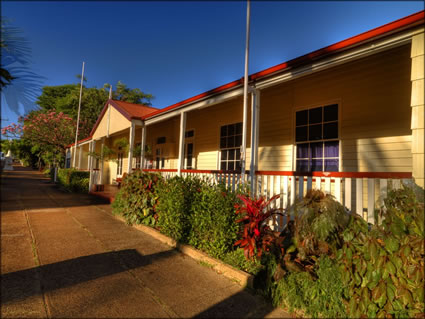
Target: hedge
{"x": 73, "y": 180}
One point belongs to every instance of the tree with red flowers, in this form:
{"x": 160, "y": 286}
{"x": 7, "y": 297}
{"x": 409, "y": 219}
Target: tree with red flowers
{"x": 51, "y": 130}
{"x": 49, "y": 133}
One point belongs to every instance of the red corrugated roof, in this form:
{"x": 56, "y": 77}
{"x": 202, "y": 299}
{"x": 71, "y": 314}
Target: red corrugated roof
{"x": 128, "y": 110}
{"x": 136, "y": 111}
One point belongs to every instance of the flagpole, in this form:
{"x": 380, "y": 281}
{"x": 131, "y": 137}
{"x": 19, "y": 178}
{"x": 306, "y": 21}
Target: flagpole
{"x": 78, "y": 117}
{"x": 245, "y": 96}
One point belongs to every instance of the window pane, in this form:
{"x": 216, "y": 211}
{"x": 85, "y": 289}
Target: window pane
{"x": 302, "y": 165}
{"x": 237, "y": 166}
{"x": 231, "y": 155}
{"x": 189, "y": 162}
{"x": 230, "y": 166}
{"x": 189, "y": 149}
{"x": 302, "y": 150}
{"x": 331, "y": 165}
{"x": 238, "y": 140}
{"x": 301, "y": 134}
{"x": 239, "y": 128}
{"x": 301, "y": 118}
{"x": 231, "y": 130}
{"x": 223, "y": 165}
{"x": 231, "y": 141}
{"x": 315, "y": 132}
{"x": 223, "y": 131}
{"x": 223, "y": 142}
{"x": 332, "y": 149}
{"x": 161, "y": 140}
{"x": 330, "y": 130}
{"x": 331, "y": 113}
{"x": 223, "y": 155}
{"x": 316, "y": 150}
{"x": 238, "y": 154}
{"x": 189, "y": 134}
{"x": 316, "y": 165}
{"x": 315, "y": 115}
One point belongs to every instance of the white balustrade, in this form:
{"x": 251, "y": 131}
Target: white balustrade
{"x": 364, "y": 197}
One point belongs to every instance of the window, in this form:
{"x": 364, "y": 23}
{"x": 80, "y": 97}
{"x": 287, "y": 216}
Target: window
{"x": 188, "y": 152}
{"x": 138, "y": 159}
{"x": 119, "y": 163}
{"x": 159, "y": 160}
{"x": 189, "y": 134}
{"x": 68, "y": 159}
{"x": 230, "y": 146}
{"x": 316, "y": 138}
{"x": 188, "y": 149}
{"x": 161, "y": 140}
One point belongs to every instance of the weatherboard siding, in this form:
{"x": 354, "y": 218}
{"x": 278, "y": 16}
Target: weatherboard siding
{"x": 206, "y": 124}
{"x": 374, "y": 97}
{"x": 117, "y": 123}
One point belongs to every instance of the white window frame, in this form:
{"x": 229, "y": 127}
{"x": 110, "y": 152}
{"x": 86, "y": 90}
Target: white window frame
{"x": 189, "y": 140}
{"x": 227, "y": 148}
{"x": 312, "y": 106}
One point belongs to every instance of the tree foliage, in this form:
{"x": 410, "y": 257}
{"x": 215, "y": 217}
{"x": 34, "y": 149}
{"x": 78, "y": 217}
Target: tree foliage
{"x": 18, "y": 84}
{"x": 65, "y": 98}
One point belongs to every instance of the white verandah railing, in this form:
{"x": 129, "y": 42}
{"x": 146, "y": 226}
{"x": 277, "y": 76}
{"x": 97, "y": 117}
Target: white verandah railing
{"x": 360, "y": 192}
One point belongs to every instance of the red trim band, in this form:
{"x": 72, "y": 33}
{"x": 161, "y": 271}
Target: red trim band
{"x": 339, "y": 174}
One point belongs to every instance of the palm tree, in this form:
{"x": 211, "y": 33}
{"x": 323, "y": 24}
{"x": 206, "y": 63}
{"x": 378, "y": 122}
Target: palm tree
{"x": 19, "y": 85}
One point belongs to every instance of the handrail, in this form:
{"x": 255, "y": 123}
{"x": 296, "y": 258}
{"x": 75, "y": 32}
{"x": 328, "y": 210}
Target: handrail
{"x": 397, "y": 175}
{"x": 339, "y": 174}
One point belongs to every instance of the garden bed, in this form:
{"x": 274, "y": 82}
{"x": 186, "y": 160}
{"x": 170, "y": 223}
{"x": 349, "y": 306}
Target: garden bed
{"x": 328, "y": 262}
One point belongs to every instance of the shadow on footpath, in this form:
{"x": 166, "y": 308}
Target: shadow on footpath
{"x": 238, "y": 306}
{"x": 19, "y": 285}
{"x": 36, "y": 191}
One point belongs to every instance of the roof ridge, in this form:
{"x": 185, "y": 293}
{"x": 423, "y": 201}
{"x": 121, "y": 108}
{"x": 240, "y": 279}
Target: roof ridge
{"x": 137, "y": 104}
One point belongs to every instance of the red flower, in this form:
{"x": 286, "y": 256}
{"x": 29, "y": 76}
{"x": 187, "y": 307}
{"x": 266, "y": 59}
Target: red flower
{"x": 256, "y": 232}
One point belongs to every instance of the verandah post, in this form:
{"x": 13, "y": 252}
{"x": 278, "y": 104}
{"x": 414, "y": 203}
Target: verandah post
{"x": 130, "y": 150}
{"x": 255, "y": 113}
{"x": 181, "y": 142}
{"x": 101, "y": 160}
{"x": 143, "y": 145}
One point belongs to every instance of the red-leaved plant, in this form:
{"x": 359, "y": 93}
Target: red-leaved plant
{"x": 256, "y": 232}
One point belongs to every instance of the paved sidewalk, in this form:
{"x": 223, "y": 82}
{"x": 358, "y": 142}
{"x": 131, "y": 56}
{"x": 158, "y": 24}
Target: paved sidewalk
{"x": 63, "y": 255}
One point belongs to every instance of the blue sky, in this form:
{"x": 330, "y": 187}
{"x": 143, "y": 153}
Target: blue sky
{"x": 175, "y": 50}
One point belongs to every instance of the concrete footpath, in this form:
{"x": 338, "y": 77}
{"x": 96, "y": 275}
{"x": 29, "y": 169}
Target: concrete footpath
{"x": 63, "y": 255}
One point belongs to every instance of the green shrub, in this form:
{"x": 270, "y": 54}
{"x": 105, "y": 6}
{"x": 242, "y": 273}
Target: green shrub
{"x": 383, "y": 267}
{"x": 212, "y": 219}
{"x": 136, "y": 199}
{"x": 175, "y": 198}
{"x": 63, "y": 176}
{"x": 73, "y": 180}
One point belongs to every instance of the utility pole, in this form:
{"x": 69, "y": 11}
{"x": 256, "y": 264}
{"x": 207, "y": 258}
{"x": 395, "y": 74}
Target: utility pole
{"x": 78, "y": 117}
{"x": 245, "y": 96}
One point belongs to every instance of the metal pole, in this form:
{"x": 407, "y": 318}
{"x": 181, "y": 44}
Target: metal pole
{"x": 245, "y": 96}
{"x": 78, "y": 116}
{"x": 109, "y": 112}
